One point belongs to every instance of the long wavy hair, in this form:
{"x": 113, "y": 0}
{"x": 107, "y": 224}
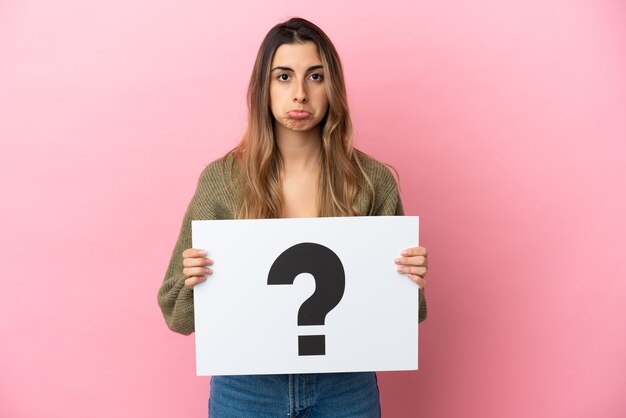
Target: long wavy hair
{"x": 342, "y": 174}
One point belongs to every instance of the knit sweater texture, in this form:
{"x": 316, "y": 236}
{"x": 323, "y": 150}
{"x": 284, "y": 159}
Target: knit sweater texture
{"x": 218, "y": 196}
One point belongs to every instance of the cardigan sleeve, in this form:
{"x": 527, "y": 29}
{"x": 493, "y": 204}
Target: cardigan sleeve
{"x": 210, "y": 201}
{"x": 175, "y": 300}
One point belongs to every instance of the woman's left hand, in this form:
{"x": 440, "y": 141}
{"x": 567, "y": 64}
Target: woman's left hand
{"x": 414, "y": 263}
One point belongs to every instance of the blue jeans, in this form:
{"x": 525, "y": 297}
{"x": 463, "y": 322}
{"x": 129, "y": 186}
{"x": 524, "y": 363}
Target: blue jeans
{"x": 321, "y": 395}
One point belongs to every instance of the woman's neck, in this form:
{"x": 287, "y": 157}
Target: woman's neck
{"x": 300, "y": 150}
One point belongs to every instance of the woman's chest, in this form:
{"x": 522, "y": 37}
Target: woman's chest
{"x": 299, "y": 197}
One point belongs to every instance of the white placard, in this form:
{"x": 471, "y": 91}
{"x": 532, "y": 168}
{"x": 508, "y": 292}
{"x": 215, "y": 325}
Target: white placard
{"x": 246, "y": 326}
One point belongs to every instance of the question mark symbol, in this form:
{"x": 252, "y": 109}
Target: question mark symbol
{"x": 330, "y": 282}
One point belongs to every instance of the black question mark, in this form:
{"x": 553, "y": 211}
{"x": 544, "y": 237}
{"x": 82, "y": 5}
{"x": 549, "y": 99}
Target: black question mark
{"x": 330, "y": 282}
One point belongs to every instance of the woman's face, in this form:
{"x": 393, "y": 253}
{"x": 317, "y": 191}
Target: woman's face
{"x": 298, "y": 97}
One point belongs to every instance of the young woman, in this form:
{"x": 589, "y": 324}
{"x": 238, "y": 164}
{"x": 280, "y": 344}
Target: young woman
{"x": 296, "y": 159}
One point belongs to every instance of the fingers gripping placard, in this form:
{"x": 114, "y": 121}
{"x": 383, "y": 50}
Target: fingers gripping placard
{"x": 326, "y": 268}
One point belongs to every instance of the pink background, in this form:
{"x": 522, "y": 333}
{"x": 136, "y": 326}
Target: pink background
{"x": 505, "y": 119}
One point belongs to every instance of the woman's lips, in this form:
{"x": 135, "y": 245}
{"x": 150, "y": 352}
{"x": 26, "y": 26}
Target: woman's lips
{"x": 298, "y": 114}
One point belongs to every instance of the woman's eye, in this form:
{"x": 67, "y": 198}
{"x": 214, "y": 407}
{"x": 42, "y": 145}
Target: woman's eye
{"x": 317, "y": 77}
{"x": 283, "y": 77}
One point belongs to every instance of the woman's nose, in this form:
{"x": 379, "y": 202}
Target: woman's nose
{"x": 300, "y": 93}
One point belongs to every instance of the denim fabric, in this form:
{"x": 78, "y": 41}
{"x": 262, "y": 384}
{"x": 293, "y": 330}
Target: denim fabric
{"x": 321, "y": 395}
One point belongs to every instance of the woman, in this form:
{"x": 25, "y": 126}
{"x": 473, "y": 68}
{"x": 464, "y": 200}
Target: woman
{"x": 296, "y": 159}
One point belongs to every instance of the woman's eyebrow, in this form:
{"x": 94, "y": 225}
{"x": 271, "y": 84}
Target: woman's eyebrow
{"x": 311, "y": 68}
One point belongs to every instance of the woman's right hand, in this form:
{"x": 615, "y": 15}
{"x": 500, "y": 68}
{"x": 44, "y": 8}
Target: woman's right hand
{"x": 194, "y": 266}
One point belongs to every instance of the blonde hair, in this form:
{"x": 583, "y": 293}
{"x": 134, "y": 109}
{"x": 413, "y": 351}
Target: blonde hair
{"x": 342, "y": 174}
